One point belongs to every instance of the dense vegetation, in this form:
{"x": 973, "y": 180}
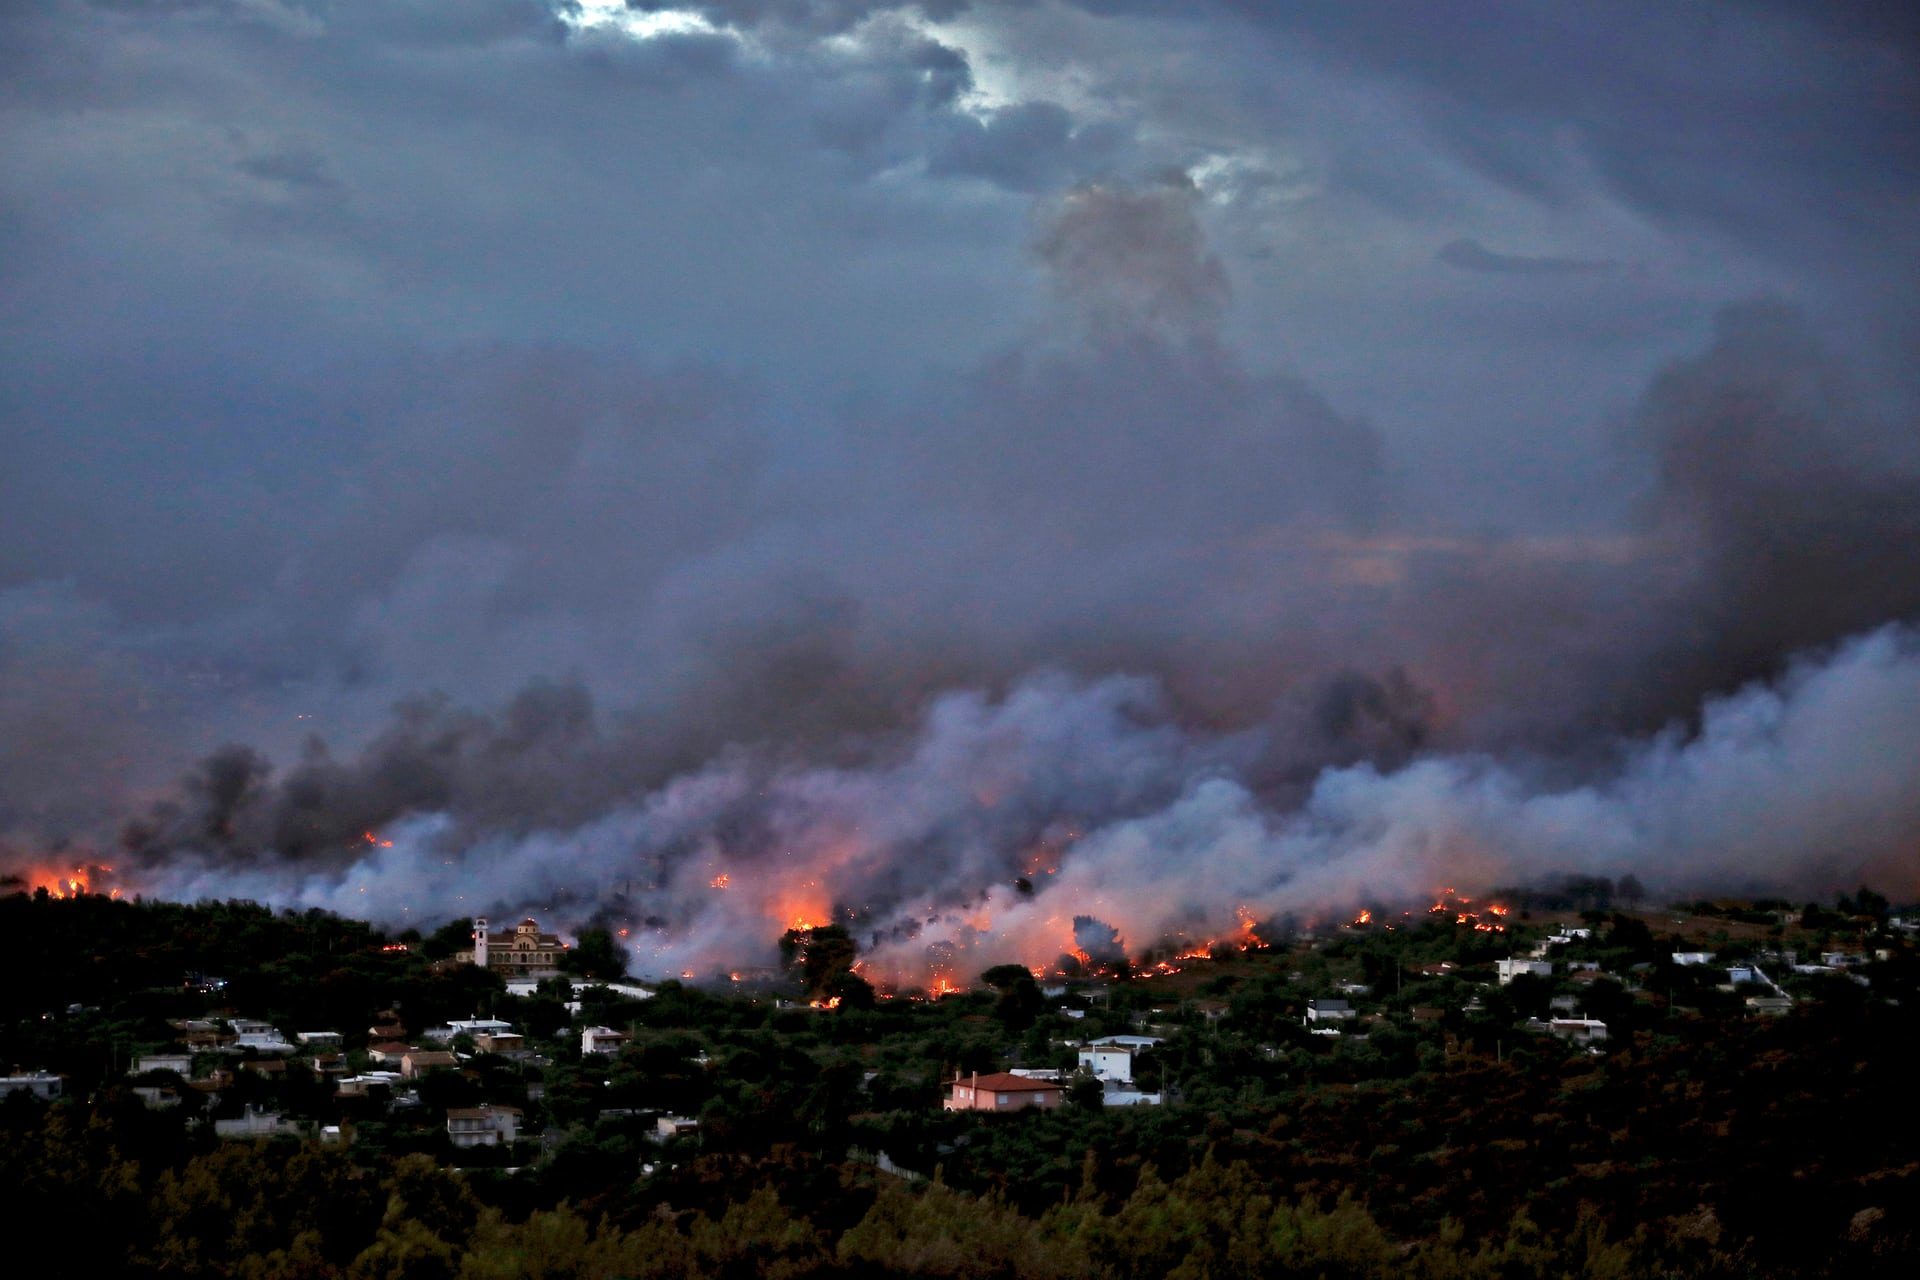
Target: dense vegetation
{"x": 1702, "y": 1142}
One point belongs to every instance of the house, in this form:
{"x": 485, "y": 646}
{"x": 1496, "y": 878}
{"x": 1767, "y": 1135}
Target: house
{"x": 1326, "y": 1010}
{"x": 1515, "y": 966}
{"x": 1108, "y": 1062}
{"x": 1692, "y": 957}
{"x": 199, "y": 1033}
{"x": 255, "y": 1123}
{"x": 181, "y": 1063}
{"x": 667, "y": 1128}
{"x": 267, "y": 1041}
{"x": 602, "y": 1040}
{"x": 483, "y": 1126}
{"x": 318, "y": 1040}
{"x": 388, "y": 1051}
{"x": 1579, "y": 1030}
{"x": 1110, "y": 1058}
{"x": 37, "y": 1083}
{"x": 251, "y": 1027}
{"x": 157, "y": 1097}
{"x": 1002, "y": 1091}
{"x": 1769, "y": 1006}
{"x": 468, "y": 1027}
{"x": 417, "y": 1062}
{"x": 1739, "y": 973}
{"x": 357, "y": 1086}
{"x": 521, "y": 952}
{"x": 500, "y": 1042}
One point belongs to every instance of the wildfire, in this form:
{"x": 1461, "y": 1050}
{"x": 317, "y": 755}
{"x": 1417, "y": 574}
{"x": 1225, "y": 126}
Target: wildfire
{"x": 76, "y": 883}
{"x": 1365, "y": 917}
{"x": 943, "y": 986}
{"x": 720, "y": 881}
{"x": 1481, "y": 920}
{"x": 375, "y": 842}
{"x": 800, "y": 907}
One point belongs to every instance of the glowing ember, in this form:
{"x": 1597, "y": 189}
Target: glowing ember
{"x": 1365, "y": 917}
{"x": 720, "y": 881}
{"x": 375, "y": 841}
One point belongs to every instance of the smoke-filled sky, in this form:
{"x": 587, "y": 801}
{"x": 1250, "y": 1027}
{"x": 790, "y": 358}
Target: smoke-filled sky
{"x": 1206, "y": 460}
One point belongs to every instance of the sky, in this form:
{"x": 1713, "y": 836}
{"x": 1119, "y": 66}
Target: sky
{"x": 873, "y": 451}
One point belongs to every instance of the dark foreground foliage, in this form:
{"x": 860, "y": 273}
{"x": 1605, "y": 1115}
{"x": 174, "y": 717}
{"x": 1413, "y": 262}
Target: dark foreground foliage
{"x": 1700, "y": 1143}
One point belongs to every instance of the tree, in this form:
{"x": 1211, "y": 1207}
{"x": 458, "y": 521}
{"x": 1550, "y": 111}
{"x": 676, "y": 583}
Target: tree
{"x": 595, "y": 955}
{"x": 454, "y": 935}
{"x": 820, "y": 957}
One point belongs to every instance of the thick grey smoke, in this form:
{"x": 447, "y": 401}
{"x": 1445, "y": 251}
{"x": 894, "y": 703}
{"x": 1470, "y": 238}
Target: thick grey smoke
{"x": 1076, "y": 816}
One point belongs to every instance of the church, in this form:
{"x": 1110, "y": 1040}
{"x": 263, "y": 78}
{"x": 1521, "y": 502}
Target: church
{"x": 520, "y": 952}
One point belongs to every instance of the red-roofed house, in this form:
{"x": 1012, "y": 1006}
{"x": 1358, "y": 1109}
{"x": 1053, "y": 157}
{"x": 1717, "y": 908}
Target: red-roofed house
{"x": 1002, "y": 1091}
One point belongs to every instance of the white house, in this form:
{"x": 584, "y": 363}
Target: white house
{"x": 483, "y": 1126}
{"x": 255, "y": 1124}
{"x": 1514, "y": 966}
{"x": 1108, "y": 1062}
{"x": 37, "y": 1083}
{"x": 177, "y": 1062}
{"x": 318, "y": 1040}
{"x": 1324, "y": 1010}
{"x": 1579, "y": 1030}
{"x": 669, "y": 1127}
{"x": 470, "y": 1027}
{"x": 602, "y": 1040}
{"x": 267, "y": 1041}
{"x": 1692, "y": 957}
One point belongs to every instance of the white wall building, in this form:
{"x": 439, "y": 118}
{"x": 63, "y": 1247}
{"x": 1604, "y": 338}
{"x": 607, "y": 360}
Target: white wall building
{"x": 1326, "y": 1010}
{"x": 1514, "y": 966}
{"x": 483, "y": 1126}
{"x": 601, "y": 1040}
{"x": 1579, "y": 1030}
{"x": 37, "y": 1083}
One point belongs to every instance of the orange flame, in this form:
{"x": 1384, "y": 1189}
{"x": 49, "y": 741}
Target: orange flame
{"x": 720, "y": 881}
{"x": 76, "y": 883}
{"x": 375, "y": 841}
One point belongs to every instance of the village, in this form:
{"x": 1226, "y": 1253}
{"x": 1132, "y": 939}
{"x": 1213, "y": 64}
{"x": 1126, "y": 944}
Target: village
{"x": 555, "y": 1058}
